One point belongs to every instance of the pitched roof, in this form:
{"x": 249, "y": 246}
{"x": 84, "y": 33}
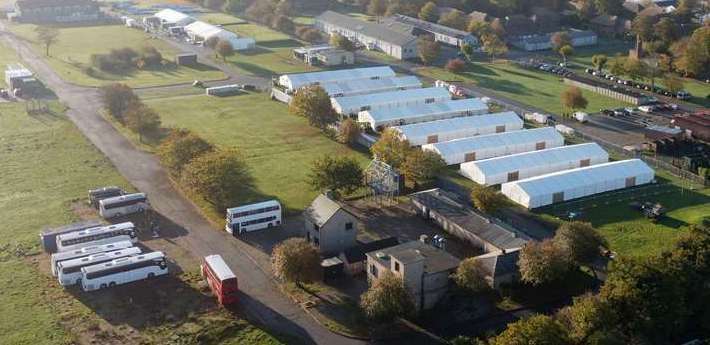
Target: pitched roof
{"x": 357, "y": 253}
{"x": 321, "y": 210}
{"x": 392, "y": 34}
{"x": 435, "y": 259}
{"x": 500, "y": 263}
{"x": 478, "y": 16}
{"x": 430, "y": 27}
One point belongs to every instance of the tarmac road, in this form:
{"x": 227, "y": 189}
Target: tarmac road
{"x": 262, "y": 300}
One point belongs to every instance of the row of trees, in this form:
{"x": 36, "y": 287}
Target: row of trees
{"x": 222, "y": 48}
{"x": 121, "y": 103}
{"x": 122, "y": 60}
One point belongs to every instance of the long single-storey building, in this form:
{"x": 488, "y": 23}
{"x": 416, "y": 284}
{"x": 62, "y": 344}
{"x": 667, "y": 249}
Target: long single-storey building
{"x": 379, "y": 119}
{"x": 442, "y": 33}
{"x": 352, "y": 105}
{"x": 169, "y": 17}
{"x": 356, "y": 87}
{"x": 535, "y": 42}
{"x": 295, "y": 81}
{"x": 460, "y": 127}
{"x": 56, "y": 11}
{"x": 324, "y": 55}
{"x": 200, "y": 31}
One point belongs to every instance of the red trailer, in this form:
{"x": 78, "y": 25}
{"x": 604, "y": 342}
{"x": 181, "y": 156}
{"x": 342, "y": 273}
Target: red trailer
{"x": 221, "y": 279}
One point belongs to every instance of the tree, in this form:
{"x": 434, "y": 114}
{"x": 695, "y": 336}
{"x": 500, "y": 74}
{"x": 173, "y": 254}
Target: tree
{"x": 235, "y": 6}
{"x": 297, "y": 261}
{"x": 673, "y": 83}
{"x": 610, "y": 7}
{"x": 342, "y": 42}
{"x": 428, "y": 50}
{"x": 313, "y": 103}
{"x": 309, "y": 34}
{"x": 580, "y": 241}
{"x": 684, "y": 11}
{"x": 117, "y": 99}
{"x": 377, "y": 8}
{"x": 421, "y": 167}
{"x": 284, "y": 8}
{"x": 497, "y": 28}
{"x": 142, "y": 119}
{"x": 694, "y": 61}
{"x": 616, "y": 66}
{"x": 487, "y": 199}
{"x": 508, "y": 6}
{"x": 586, "y": 318}
{"x": 220, "y": 177}
{"x": 47, "y": 36}
{"x": 573, "y": 99}
{"x": 642, "y": 26}
{"x": 479, "y": 28}
{"x": 494, "y": 46}
{"x": 348, "y": 131}
{"x": 467, "y": 51}
{"x": 180, "y": 148}
{"x": 542, "y": 263}
{"x": 633, "y": 68}
{"x": 559, "y": 40}
{"x": 454, "y": 19}
{"x": 429, "y": 12}
{"x": 283, "y": 23}
{"x": 537, "y": 329}
{"x": 455, "y": 65}
{"x": 666, "y": 31}
{"x": 471, "y": 276}
{"x": 599, "y": 61}
{"x": 565, "y": 51}
{"x": 387, "y": 299}
{"x": 225, "y": 49}
{"x": 341, "y": 175}
{"x": 391, "y": 149}
{"x": 212, "y": 43}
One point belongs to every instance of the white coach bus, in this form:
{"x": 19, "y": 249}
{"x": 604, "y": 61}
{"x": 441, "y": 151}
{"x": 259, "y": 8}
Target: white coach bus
{"x": 122, "y": 205}
{"x": 86, "y": 251}
{"x": 69, "y": 272}
{"x": 252, "y": 217}
{"x": 79, "y": 239}
{"x": 124, "y": 270}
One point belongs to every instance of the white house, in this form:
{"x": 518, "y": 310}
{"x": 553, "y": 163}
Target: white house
{"x": 460, "y": 127}
{"x": 352, "y": 105}
{"x": 296, "y": 81}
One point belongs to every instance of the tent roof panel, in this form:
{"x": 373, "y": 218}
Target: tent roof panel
{"x": 300, "y": 79}
{"x": 458, "y": 123}
{"x": 358, "y": 101}
{"x": 358, "y": 85}
{"x": 494, "y": 140}
{"x": 452, "y": 106}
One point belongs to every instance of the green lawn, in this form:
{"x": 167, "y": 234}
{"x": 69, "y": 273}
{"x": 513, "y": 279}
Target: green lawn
{"x": 278, "y": 147}
{"x": 541, "y": 90}
{"x": 70, "y": 56}
{"x": 7, "y": 56}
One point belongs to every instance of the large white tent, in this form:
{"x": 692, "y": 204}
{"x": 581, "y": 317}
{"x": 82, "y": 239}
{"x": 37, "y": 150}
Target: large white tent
{"x": 572, "y": 184}
{"x": 201, "y": 31}
{"x": 170, "y": 17}
{"x": 529, "y": 164}
{"x": 496, "y": 145}
{"x": 422, "y": 112}
{"x": 296, "y": 81}
{"x": 460, "y": 127}
{"x": 344, "y": 88}
{"x": 388, "y": 100}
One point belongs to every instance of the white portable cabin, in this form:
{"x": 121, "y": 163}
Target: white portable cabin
{"x": 352, "y": 105}
{"x": 460, "y": 127}
{"x": 296, "y": 81}
{"x": 530, "y": 164}
{"x": 367, "y": 86}
{"x": 572, "y": 184}
{"x": 495, "y": 145}
{"x": 201, "y": 31}
{"x": 379, "y": 119}
{"x": 169, "y": 17}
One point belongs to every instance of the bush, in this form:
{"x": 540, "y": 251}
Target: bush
{"x": 180, "y": 148}
{"x": 295, "y": 260}
{"x": 283, "y": 24}
{"x": 455, "y": 65}
{"x": 151, "y": 57}
{"x": 348, "y": 132}
{"x": 309, "y": 34}
{"x": 220, "y": 177}
{"x": 117, "y": 99}
{"x": 387, "y": 299}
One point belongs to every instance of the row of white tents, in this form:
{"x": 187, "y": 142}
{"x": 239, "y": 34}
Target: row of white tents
{"x": 199, "y": 31}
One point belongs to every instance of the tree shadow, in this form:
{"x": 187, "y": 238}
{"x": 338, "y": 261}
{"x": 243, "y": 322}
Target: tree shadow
{"x": 258, "y": 50}
{"x": 283, "y": 43}
{"x": 254, "y": 69}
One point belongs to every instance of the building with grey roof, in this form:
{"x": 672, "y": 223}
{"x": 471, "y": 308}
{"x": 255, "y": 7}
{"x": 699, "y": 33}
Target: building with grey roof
{"x": 329, "y": 227}
{"x": 393, "y": 39}
{"x": 425, "y": 270}
{"x": 535, "y": 42}
{"x": 442, "y": 33}
{"x": 501, "y": 267}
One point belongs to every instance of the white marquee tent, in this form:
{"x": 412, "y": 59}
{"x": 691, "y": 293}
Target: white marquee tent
{"x": 460, "y": 127}
{"x": 201, "y": 31}
{"x": 423, "y": 112}
{"x": 572, "y": 184}
{"x": 298, "y": 80}
{"x": 530, "y": 164}
{"x": 367, "y": 86}
{"x": 388, "y": 100}
{"x": 171, "y": 17}
{"x": 496, "y": 145}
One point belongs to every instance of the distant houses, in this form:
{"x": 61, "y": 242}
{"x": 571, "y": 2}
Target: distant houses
{"x": 441, "y": 33}
{"x": 535, "y": 42}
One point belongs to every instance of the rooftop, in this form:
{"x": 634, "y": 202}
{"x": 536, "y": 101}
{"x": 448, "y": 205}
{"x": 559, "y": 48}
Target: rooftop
{"x": 452, "y": 106}
{"x": 429, "y": 26}
{"x": 358, "y": 101}
{"x": 357, "y": 253}
{"x": 389, "y": 33}
{"x": 435, "y": 259}
{"x": 321, "y": 210}
{"x": 346, "y": 87}
{"x": 458, "y": 123}
{"x": 500, "y": 263}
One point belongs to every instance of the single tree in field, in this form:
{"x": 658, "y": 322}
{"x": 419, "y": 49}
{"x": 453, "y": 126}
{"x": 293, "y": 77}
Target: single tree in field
{"x": 220, "y": 177}
{"x": 116, "y": 99}
{"x": 471, "y": 276}
{"x": 599, "y": 61}
{"x": 487, "y": 199}
{"x": 387, "y": 299}
{"x": 582, "y": 243}
{"x": 565, "y": 51}
{"x": 391, "y": 149}
{"x": 429, "y": 12}
{"x": 573, "y": 99}
{"x": 348, "y": 131}
{"x": 341, "y": 175}
{"x": 537, "y": 329}
{"x": 225, "y": 49}
{"x": 180, "y": 148}
{"x": 421, "y": 167}
{"x": 467, "y": 51}
{"x": 297, "y": 261}
{"x": 673, "y": 83}
{"x": 142, "y": 119}
{"x": 543, "y": 262}
{"x": 494, "y": 46}
{"x": 342, "y": 42}
{"x": 313, "y": 103}
{"x": 428, "y": 50}
{"x": 47, "y": 36}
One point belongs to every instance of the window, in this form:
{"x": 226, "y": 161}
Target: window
{"x": 471, "y": 156}
{"x": 513, "y": 176}
{"x": 540, "y": 145}
{"x": 584, "y": 163}
{"x": 396, "y": 266}
{"x": 429, "y": 100}
{"x": 316, "y": 241}
{"x": 373, "y": 270}
{"x": 630, "y": 181}
{"x": 316, "y": 227}
{"x": 348, "y": 226}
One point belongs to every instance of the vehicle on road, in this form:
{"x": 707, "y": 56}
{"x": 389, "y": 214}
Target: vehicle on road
{"x": 76, "y": 240}
{"x": 84, "y": 252}
{"x": 69, "y": 272}
{"x": 123, "y": 270}
{"x": 253, "y": 217}
{"x": 98, "y": 194}
{"x": 220, "y": 278}
{"x": 581, "y": 116}
{"x": 123, "y": 205}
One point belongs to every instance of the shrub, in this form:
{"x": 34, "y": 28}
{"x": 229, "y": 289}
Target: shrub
{"x": 455, "y": 65}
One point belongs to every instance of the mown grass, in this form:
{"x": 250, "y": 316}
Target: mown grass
{"x": 71, "y": 55}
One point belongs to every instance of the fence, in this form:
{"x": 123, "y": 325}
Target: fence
{"x": 605, "y": 91}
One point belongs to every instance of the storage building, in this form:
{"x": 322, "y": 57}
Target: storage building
{"x": 186, "y": 59}
{"x": 296, "y": 81}
{"x": 441, "y": 33}
{"x": 324, "y": 55}
{"x": 495, "y": 145}
{"x": 169, "y": 17}
{"x": 529, "y": 164}
{"x": 460, "y": 127}
{"x": 572, "y": 184}
{"x": 200, "y": 31}
{"x": 352, "y": 105}
{"x": 379, "y": 119}
{"x": 367, "y": 86}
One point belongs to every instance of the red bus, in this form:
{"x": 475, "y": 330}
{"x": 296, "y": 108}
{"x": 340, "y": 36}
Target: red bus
{"x": 221, "y": 279}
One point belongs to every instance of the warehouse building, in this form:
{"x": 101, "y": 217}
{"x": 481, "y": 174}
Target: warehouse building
{"x": 460, "y": 127}
{"x": 392, "y": 39}
{"x": 535, "y": 163}
{"x": 367, "y": 86}
{"x": 169, "y": 18}
{"x": 379, "y": 119}
{"x": 495, "y": 145}
{"x": 442, "y": 33}
{"x": 352, "y": 105}
{"x": 200, "y": 31}
{"x": 577, "y": 183}
{"x": 293, "y": 82}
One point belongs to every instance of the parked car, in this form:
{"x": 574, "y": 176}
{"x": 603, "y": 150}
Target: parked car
{"x": 683, "y": 94}
{"x": 4, "y": 93}
{"x": 607, "y": 112}
{"x": 589, "y": 71}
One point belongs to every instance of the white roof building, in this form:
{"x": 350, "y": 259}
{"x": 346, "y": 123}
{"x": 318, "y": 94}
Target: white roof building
{"x": 201, "y": 31}
{"x": 460, "y": 127}
{"x": 367, "y": 86}
{"x": 171, "y": 17}
{"x": 298, "y": 80}
{"x": 530, "y": 164}
{"x": 389, "y": 100}
{"x": 448, "y": 109}
{"x": 572, "y": 184}
{"x": 495, "y": 145}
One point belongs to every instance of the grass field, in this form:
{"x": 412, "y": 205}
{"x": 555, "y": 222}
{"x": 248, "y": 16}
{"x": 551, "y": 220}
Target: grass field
{"x": 277, "y": 146}
{"x": 541, "y": 90}
{"x": 72, "y": 53}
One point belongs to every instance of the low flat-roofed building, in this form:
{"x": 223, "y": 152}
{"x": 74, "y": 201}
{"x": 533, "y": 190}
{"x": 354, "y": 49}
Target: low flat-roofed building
{"x": 296, "y": 81}
{"x": 459, "y": 127}
{"x": 324, "y": 55}
{"x": 352, "y": 105}
{"x": 535, "y": 42}
{"x": 442, "y": 33}
{"x": 367, "y": 86}
{"x": 379, "y": 119}
{"x": 56, "y": 11}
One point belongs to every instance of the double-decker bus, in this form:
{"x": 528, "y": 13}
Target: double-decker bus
{"x": 75, "y": 240}
{"x": 69, "y": 272}
{"x": 124, "y": 270}
{"x": 48, "y": 238}
{"x": 86, "y": 251}
{"x": 123, "y": 205}
{"x": 220, "y": 278}
{"x": 252, "y": 217}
